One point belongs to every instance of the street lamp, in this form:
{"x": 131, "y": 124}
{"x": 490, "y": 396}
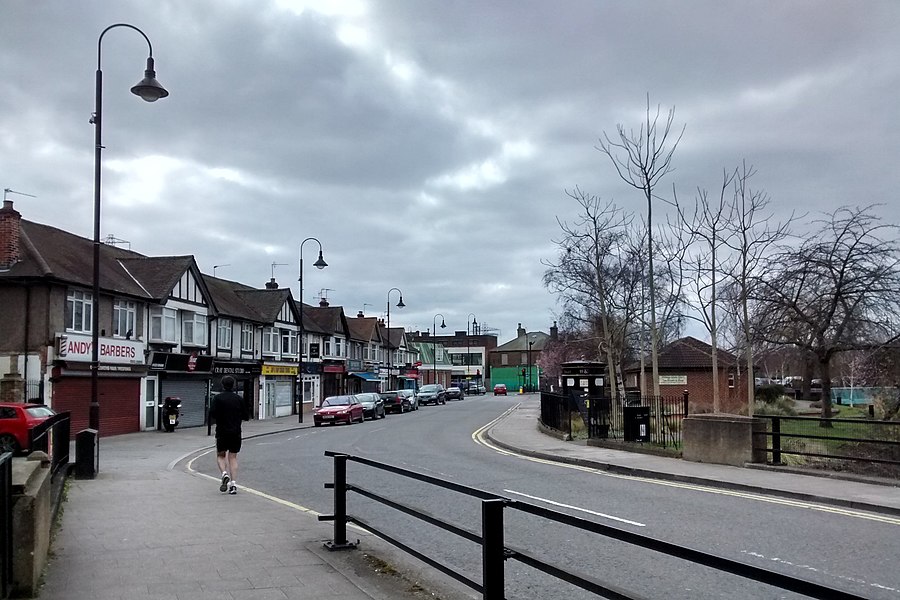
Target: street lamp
{"x": 150, "y": 90}
{"x": 434, "y": 343}
{"x": 390, "y": 349}
{"x": 468, "y": 358}
{"x": 319, "y": 264}
{"x": 530, "y": 383}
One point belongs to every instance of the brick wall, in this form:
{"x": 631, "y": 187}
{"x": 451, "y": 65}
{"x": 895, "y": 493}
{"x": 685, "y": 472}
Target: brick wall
{"x": 10, "y": 222}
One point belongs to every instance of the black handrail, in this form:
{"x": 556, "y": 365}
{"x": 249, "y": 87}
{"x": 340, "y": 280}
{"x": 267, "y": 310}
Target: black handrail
{"x": 495, "y": 552}
{"x": 52, "y": 436}
{"x": 6, "y": 528}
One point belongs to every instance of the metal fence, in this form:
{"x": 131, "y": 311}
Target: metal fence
{"x": 6, "y": 529}
{"x": 34, "y": 391}
{"x": 864, "y": 441}
{"x": 605, "y": 418}
{"x": 52, "y": 436}
{"x": 491, "y": 535}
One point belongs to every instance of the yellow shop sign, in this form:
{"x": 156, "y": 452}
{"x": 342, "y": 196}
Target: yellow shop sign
{"x": 279, "y": 370}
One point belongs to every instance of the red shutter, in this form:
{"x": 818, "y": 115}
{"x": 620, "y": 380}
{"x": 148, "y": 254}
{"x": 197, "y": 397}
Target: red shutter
{"x": 119, "y": 403}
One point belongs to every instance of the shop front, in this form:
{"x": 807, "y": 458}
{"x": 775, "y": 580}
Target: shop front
{"x": 311, "y": 385}
{"x": 245, "y": 374}
{"x": 187, "y": 377}
{"x": 409, "y": 378}
{"x": 277, "y": 399}
{"x": 361, "y": 380}
{"x": 333, "y": 378}
{"x": 119, "y": 375}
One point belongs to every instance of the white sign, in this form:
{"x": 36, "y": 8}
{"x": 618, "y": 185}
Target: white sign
{"x": 78, "y": 348}
{"x": 673, "y": 380}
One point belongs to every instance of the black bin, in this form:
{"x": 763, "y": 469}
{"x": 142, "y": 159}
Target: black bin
{"x": 87, "y": 454}
{"x": 637, "y": 423}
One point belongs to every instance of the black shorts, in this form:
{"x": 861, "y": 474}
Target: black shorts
{"x": 230, "y": 442}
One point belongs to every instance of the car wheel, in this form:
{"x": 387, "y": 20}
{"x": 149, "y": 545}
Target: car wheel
{"x": 8, "y": 443}
{"x": 318, "y": 424}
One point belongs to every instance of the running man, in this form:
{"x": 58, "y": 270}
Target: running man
{"x": 227, "y": 411}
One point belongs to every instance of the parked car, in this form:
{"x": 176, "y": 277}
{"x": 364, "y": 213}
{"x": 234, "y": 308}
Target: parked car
{"x": 481, "y": 390}
{"x": 373, "y": 405}
{"x": 413, "y": 400}
{"x": 398, "y": 400}
{"x": 16, "y": 419}
{"x": 339, "y": 409}
{"x": 455, "y": 393}
{"x": 433, "y": 393}
{"x": 500, "y": 389}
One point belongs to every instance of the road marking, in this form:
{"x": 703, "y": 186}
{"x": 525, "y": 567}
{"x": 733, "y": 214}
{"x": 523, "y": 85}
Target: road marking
{"x": 560, "y": 504}
{"x": 810, "y": 568}
{"x": 479, "y": 436}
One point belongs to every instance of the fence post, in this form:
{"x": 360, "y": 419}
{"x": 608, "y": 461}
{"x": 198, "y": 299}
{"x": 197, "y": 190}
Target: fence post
{"x": 776, "y": 441}
{"x": 685, "y": 403}
{"x": 340, "y": 506}
{"x": 492, "y": 550}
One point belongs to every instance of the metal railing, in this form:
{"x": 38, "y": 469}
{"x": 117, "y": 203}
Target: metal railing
{"x": 605, "y": 418}
{"x": 6, "y": 529}
{"x": 844, "y": 439}
{"x": 495, "y": 552}
{"x": 52, "y": 436}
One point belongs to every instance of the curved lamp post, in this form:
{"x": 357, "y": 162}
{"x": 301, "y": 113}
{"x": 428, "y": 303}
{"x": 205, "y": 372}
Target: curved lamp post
{"x": 389, "y": 344}
{"x": 434, "y": 343}
{"x": 150, "y": 90}
{"x": 319, "y": 264}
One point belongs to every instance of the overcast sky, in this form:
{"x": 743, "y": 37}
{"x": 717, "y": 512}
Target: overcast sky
{"x": 428, "y": 143}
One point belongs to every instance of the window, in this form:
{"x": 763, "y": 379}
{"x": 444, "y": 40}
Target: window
{"x": 193, "y": 329}
{"x": 223, "y": 334}
{"x": 523, "y": 360}
{"x": 288, "y": 342}
{"x": 338, "y": 346}
{"x": 79, "y": 311}
{"x": 247, "y": 337}
{"x": 439, "y": 353}
{"x": 504, "y": 359}
{"x": 163, "y": 322}
{"x": 327, "y": 351}
{"x": 124, "y": 316}
{"x": 270, "y": 340}
{"x": 731, "y": 380}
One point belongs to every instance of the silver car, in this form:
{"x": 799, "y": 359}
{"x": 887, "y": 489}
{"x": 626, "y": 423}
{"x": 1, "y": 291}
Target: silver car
{"x": 373, "y": 405}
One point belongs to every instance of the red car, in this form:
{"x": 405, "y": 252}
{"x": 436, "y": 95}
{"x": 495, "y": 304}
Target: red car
{"x": 16, "y": 418}
{"x": 339, "y": 409}
{"x": 500, "y": 389}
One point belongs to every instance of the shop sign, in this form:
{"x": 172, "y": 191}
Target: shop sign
{"x": 75, "y": 347}
{"x": 673, "y": 380}
{"x": 190, "y": 363}
{"x": 236, "y": 369}
{"x": 280, "y": 370}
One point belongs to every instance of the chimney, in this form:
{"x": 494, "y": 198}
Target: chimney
{"x": 554, "y": 332}
{"x": 520, "y": 331}
{"x": 323, "y": 302}
{"x": 10, "y": 224}
{"x": 272, "y": 284}
{"x": 360, "y": 315}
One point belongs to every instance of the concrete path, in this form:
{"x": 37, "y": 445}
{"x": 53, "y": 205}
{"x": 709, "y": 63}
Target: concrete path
{"x": 148, "y": 529}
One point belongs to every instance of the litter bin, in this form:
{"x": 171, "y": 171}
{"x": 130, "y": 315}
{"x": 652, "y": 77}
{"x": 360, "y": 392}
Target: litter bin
{"x": 637, "y": 423}
{"x": 87, "y": 454}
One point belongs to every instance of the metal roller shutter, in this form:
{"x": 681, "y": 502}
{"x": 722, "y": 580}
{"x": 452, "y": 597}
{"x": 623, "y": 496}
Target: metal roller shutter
{"x": 119, "y": 403}
{"x": 193, "y": 399}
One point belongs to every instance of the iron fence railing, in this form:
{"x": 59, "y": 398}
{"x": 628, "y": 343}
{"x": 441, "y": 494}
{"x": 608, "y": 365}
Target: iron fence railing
{"x": 34, "y": 391}
{"x": 606, "y": 418}
{"x": 864, "y": 440}
{"x": 52, "y": 436}
{"x": 6, "y": 528}
{"x": 491, "y": 536}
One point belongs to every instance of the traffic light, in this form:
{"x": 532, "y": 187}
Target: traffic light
{"x": 523, "y": 372}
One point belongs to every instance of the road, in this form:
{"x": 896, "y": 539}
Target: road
{"x": 848, "y": 550}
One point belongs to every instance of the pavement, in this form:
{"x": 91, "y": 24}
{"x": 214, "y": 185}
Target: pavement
{"x": 148, "y": 528}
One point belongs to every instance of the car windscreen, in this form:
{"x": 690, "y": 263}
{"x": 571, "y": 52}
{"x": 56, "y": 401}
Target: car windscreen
{"x": 337, "y": 401}
{"x": 40, "y": 412}
{"x": 428, "y": 388}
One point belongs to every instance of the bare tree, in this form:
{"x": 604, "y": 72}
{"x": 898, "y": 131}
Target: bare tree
{"x": 839, "y": 291}
{"x": 588, "y": 269}
{"x": 642, "y": 158}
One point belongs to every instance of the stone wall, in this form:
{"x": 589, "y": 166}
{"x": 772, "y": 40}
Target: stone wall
{"x": 32, "y": 521}
{"x": 722, "y": 438}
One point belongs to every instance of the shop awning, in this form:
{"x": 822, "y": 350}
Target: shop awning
{"x": 366, "y": 376}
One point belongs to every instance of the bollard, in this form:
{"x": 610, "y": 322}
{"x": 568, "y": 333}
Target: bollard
{"x": 87, "y": 454}
{"x": 776, "y": 441}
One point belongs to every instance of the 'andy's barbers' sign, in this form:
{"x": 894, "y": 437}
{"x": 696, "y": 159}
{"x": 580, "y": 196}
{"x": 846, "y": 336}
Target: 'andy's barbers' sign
{"x": 77, "y": 348}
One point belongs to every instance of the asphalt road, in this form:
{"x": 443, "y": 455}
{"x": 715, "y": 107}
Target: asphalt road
{"x": 848, "y": 550}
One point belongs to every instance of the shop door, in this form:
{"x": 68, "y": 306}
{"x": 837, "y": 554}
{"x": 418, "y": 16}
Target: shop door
{"x": 150, "y": 403}
{"x": 270, "y": 400}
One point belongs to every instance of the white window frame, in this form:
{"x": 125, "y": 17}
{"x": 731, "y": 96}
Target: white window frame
{"x": 288, "y": 342}
{"x": 338, "y": 346}
{"x": 504, "y": 359}
{"x": 271, "y": 340}
{"x": 247, "y": 337}
{"x": 79, "y": 311}
{"x": 223, "y": 334}
{"x": 326, "y": 346}
{"x": 163, "y": 324}
{"x": 193, "y": 328}
{"x": 124, "y": 318}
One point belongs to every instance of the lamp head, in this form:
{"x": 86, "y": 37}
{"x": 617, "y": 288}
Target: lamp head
{"x": 400, "y": 304}
{"x": 443, "y": 325}
{"x": 148, "y": 88}
{"x": 320, "y": 264}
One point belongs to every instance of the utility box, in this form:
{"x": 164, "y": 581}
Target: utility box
{"x": 87, "y": 454}
{"x": 584, "y": 378}
{"x": 637, "y": 423}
